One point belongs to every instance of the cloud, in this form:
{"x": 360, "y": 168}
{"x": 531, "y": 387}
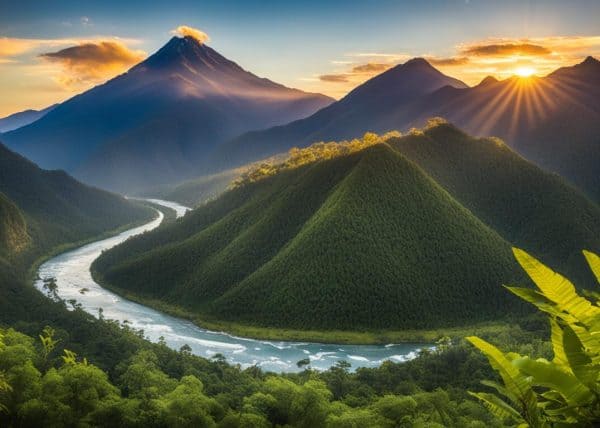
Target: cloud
{"x": 334, "y": 78}
{"x": 92, "y": 62}
{"x": 453, "y": 61}
{"x": 13, "y": 47}
{"x": 370, "y": 68}
{"x": 503, "y": 49}
{"x": 184, "y": 30}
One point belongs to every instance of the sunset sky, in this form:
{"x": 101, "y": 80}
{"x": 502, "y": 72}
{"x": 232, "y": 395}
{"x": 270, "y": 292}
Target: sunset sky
{"x": 50, "y": 51}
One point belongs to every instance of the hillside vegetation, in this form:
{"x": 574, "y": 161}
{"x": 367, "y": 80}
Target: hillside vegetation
{"x": 379, "y": 232}
{"x": 51, "y": 208}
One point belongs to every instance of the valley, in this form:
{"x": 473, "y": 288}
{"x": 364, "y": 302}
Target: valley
{"x": 338, "y": 215}
{"x": 71, "y": 270}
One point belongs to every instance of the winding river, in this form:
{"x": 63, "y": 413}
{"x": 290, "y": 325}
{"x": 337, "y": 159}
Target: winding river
{"x": 74, "y": 281}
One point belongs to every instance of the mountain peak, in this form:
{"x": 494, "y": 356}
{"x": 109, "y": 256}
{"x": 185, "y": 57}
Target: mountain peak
{"x": 488, "y": 80}
{"x": 587, "y": 70}
{"x": 418, "y": 61}
{"x": 189, "y": 53}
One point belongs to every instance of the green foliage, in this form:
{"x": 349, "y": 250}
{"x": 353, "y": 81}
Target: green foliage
{"x": 317, "y": 246}
{"x": 527, "y": 206}
{"x": 353, "y": 235}
{"x": 13, "y": 228}
{"x": 566, "y": 390}
{"x": 73, "y": 392}
{"x": 41, "y": 210}
{"x": 314, "y": 153}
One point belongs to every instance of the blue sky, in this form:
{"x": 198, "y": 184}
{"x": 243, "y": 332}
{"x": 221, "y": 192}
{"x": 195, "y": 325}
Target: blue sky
{"x": 291, "y": 42}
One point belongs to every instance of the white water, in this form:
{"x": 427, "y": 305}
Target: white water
{"x": 72, "y": 273}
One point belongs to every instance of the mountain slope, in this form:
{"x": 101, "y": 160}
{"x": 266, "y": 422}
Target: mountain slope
{"x": 356, "y": 113}
{"x": 44, "y": 209}
{"x": 13, "y": 229}
{"x": 360, "y": 241}
{"x": 155, "y": 123}
{"x": 22, "y": 118}
{"x": 414, "y": 232}
{"x": 553, "y": 121}
{"x": 528, "y": 207}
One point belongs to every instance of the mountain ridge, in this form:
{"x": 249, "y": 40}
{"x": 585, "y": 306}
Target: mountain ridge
{"x": 553, "y": 121}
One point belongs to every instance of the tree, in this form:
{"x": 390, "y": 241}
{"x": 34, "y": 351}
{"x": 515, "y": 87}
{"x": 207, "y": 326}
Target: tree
{"x": 566, "y": 390}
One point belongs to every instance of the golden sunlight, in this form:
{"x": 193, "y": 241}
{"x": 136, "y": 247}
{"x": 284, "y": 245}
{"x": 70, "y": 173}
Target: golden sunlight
{"x": 524, "y": 71}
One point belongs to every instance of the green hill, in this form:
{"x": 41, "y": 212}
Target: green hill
{"x": 412, "y": 233}
{"x": 528, "y": 207}
{"x": 51, "y": 208}
{"x": 360, "y": 241}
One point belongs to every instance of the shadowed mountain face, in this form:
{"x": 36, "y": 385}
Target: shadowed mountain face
{"x": 390, "y": 92}
{"x": 22, "y": 118}
{"x": 155, "y": 123}
{"x": 553, "y": 121}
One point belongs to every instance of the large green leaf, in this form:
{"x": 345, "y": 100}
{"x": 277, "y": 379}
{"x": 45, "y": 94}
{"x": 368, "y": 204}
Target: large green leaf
{"x": 594, "y": 262}
{"x": 559, "y": 290}
{"x": 560, "y": 359}
{"x": 545, "y": 373}
{"x": 539, "y": 300}
{"x": 515, "y": 382}
{"x": 579, "y": 361}
{"x": 498, "y": 407}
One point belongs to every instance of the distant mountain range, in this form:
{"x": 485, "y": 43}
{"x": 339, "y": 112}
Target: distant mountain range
{"x": 155, "y": 123}
{"x": 411, "y": 233}
{"x": 22, "y": 118}
{"x": 553, "y": 121}
{"x": 187, "y": 111}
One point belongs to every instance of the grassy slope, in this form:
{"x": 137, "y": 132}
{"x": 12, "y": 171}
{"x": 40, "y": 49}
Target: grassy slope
{"x": 530, "y": 208}
{"x": 363, "y": 241}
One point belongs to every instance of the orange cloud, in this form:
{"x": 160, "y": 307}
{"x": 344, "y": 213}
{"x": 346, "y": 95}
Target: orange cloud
{"x": 184, "y": 30}
{"x": 357, "y": 73}
{"x": 371, "y": 67}
{"x": 453, "y": 61}
{"x": 504, "y": 49}
{"x": 334, "y": 78}
{"x": 93, "y": 62}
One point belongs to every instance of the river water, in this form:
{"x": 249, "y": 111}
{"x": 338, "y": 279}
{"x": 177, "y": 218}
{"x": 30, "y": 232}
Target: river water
{"x": 72, "y": 273}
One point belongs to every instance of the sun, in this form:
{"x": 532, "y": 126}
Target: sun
{"x": 524, "y": 71}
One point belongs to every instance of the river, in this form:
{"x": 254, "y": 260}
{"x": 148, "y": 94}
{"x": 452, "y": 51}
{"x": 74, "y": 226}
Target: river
{"x": 74, "y": 281}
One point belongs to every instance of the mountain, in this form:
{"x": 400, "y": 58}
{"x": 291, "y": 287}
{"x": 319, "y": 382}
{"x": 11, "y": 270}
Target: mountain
{"x": 553, "y": 121}
{"x": 41, "y": 210}
{"x": 412, "y": 233}
{"x": 22, "y": 118}
{"x": 360, "y": 111}
{"x": 155, "y": 123}
{"x": 510, "y": 195}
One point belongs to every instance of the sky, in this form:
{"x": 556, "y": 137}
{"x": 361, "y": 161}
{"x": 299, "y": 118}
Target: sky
{"x": 50, "y": 51}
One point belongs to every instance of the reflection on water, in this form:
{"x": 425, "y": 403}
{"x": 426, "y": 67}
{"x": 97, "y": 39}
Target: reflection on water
{"x": 74, "y": 281}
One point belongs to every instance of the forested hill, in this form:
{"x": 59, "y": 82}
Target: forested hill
{"x": 41, "y": 210}
{"x": 364, "y": 238}
{"x": 529, "y": 207}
